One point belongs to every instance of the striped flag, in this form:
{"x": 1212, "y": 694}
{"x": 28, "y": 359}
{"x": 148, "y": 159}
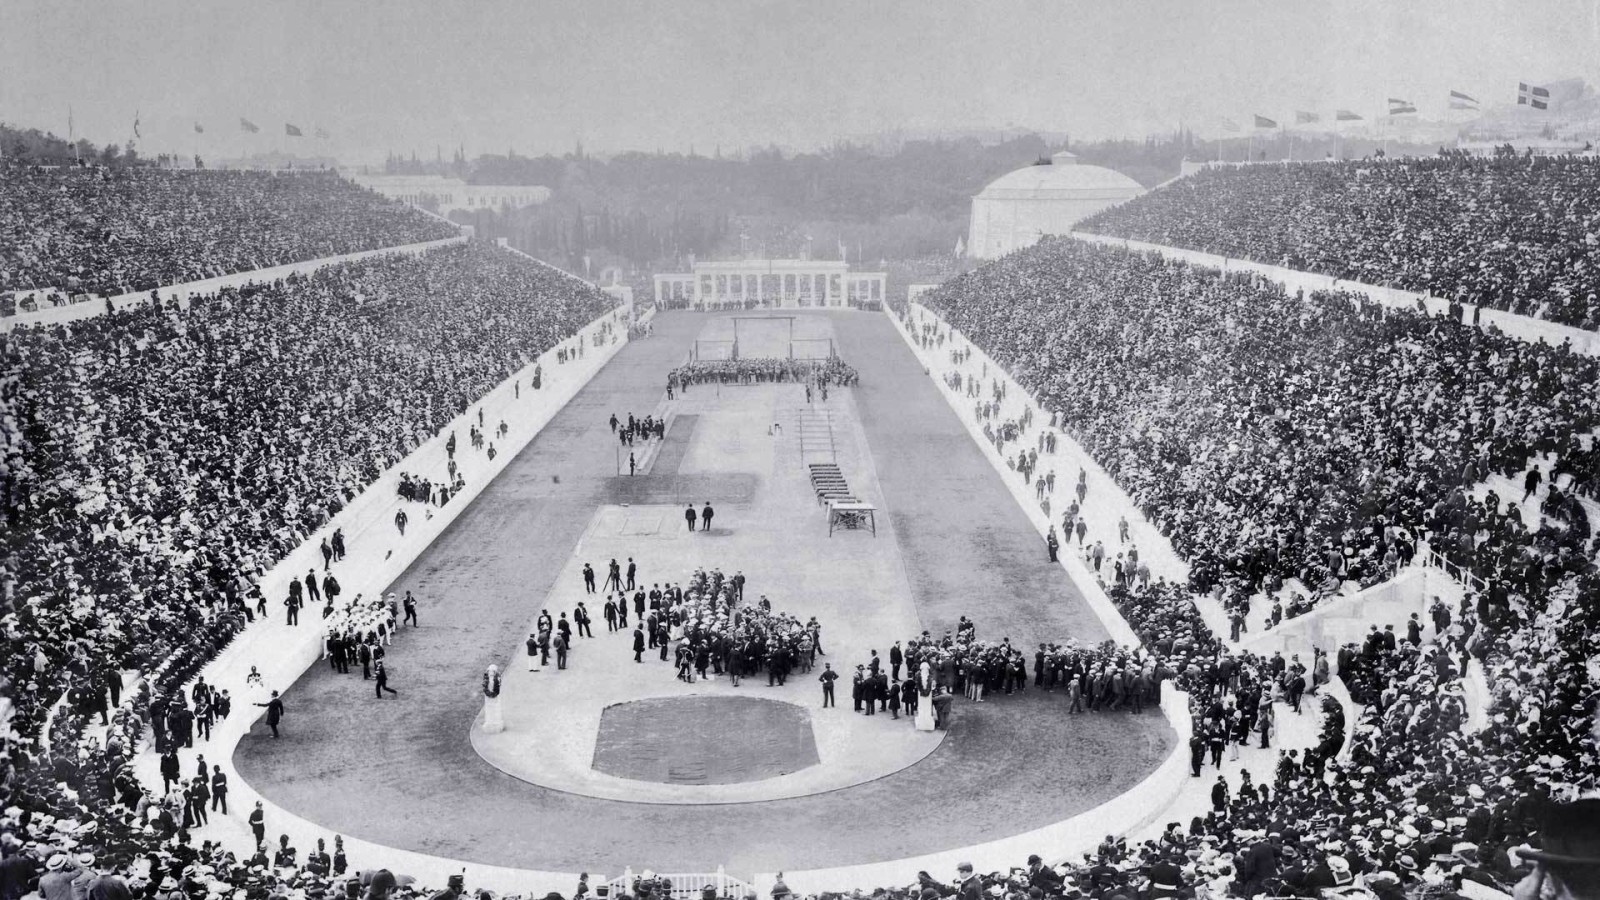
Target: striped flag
{"x": 1230, "y": 125}
{"x": 291, "y": 130}
{"x": 322, "y": 133}
{"x": 1459, "y": 100}
{"x": 1534, "y": 96}
{"x": 1302, "y": 117}
{"x": 247, "y": 125}
{"x": 1398, "y": 107}
{"x": 199, "y": 129}
{"x": 1345, "y": 115}
{"x": 1264, "y": 122}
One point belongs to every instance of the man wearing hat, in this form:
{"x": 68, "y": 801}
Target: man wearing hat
{"x": 454, "y": 890}
{"x": 1042, "y": 876}
{"x": 1567, "y": 867}
{"x": 967, "y": 885}
{"x": 60, "y": 872}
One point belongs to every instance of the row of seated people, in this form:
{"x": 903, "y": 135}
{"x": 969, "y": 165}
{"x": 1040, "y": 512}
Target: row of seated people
{"x": 114, "y": 231}
{"x": 160, "y": 460}
{"x": 1510, "y": 233}
{"x": 1273, "y": 435}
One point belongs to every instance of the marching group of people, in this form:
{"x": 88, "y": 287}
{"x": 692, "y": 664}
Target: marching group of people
{"x": 1509, "y": 232}
{"x": 752, "y": 370}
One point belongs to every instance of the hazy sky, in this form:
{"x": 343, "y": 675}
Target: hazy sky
{"x": 538, "y": 76}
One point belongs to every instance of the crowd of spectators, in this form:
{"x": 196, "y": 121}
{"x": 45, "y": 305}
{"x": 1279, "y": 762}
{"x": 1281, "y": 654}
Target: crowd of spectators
{"x": 1272, "y": 436}
{"x": 165, "y": 458}
{"x": 1221, "y": 404}
{"x": 1187, "y": 386}
{"x": 112, "y": 231}
{"x": 1521, "y": 234}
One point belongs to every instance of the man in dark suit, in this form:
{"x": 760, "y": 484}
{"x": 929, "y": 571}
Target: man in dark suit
{"x": 1256, "y": 866}
{"x": 705, "y": 516}
{"x": 897, "y": 657}
{"x": 274, "y": 712}
{"x": 1043, "y": 877}
{"x": 1166, "y": 879}
{"x": 828, "y": 677}
{"x": 970, "y": 888}
{"x": 638, "y": 645}
{"x": 689, "y": 515}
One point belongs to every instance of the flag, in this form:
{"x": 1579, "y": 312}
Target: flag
{"x": 322, "y": 133}
{"x": 1302, "y": 118}
{"x": 247, "y": 125}
{"x": 136, "y": 125}
{"x": 1399, "y": 107}
{"x": 291, "y": 130}
{"x": 1345, "y": 115}
{"x": 199, "y": 129}
{"x": 1230, "y": 125}
{"x": 1264, "y": 122}
{"x": 1459, "y": 100}
{"x": 1536, "y": 97}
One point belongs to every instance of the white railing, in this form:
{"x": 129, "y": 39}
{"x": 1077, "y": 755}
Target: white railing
{"x": 685, "y": 885}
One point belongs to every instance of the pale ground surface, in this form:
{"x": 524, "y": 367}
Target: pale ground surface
{"x": 402, "y": 772}
{"x": 852, "y": 582}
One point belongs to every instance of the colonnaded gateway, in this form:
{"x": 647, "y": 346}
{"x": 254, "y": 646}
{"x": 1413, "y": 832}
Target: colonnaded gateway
{"x": 777, "y": 283}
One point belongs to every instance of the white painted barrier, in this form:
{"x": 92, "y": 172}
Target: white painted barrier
{"x": 187, "y": 291}
{"x": 1132, "y": 811}
{"x": 378, "y": 554}
{"x": 1525, "y": 328}
{"x": 1136, "y": 809}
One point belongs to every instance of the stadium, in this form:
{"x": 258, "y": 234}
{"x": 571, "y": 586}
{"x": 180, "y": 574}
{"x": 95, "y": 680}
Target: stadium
{"x": 1216, "y": 520}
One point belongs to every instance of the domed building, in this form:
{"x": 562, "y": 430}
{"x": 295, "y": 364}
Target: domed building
{"x": 1020, "y": 207}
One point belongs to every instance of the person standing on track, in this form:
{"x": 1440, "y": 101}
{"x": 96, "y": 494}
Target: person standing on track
{"x": 382, "y": 684}
{"x": 274, "y": 709}
{"x": 689, "y": 515}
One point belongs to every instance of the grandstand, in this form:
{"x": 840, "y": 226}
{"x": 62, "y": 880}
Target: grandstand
{"x": 1507, "y": 232}
{"x": 1218, "y": 582}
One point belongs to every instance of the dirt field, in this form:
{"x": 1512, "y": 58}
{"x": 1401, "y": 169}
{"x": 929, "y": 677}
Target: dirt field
{"x": 403, "y": 771}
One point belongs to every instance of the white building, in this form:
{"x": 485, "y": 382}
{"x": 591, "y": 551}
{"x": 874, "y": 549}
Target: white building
{"x": 452, "y": 193}
{"x": 774, "y": 283}
{"x": 1020, "y": 207}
